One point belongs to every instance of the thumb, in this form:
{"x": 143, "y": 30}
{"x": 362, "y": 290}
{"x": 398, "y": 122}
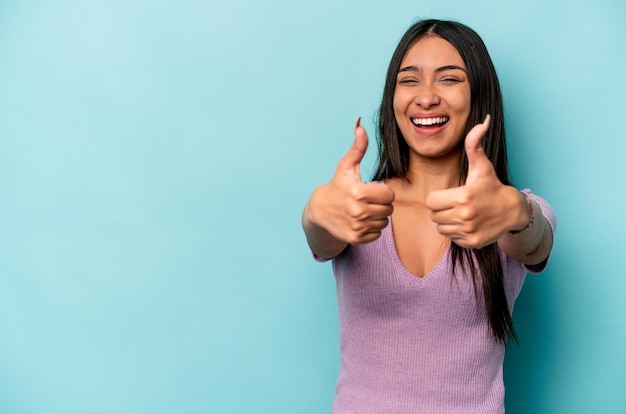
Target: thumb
{"x": 351, "y": 162}
{"x": 476, "y": 156}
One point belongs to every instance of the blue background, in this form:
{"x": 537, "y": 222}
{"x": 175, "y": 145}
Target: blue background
{"x": 155, "y": 157}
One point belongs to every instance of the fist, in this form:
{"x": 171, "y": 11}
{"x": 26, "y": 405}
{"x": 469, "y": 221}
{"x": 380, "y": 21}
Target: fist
{"x": 482, "y": 210}
{"x": 349, "y": 209}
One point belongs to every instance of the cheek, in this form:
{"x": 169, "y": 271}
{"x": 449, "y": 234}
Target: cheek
{"x": 399, "y": 105}
{"x": 461, "y": 102}
{"x": 461, "y": 105}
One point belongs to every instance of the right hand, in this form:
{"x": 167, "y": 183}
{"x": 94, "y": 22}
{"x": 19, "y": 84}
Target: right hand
{"x": 350, "y": 210}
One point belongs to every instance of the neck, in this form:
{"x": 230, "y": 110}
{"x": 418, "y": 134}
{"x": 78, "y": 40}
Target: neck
{"x": 427, "y": 175}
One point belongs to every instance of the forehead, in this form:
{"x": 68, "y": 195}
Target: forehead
{"x": 432, "y": 52}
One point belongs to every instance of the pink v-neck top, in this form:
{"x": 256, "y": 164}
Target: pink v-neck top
{"x": 417, "y": 345}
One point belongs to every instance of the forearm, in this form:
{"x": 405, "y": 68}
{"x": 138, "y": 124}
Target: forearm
{"x": 320, "y": 240}
{"x": 530, "y": 246}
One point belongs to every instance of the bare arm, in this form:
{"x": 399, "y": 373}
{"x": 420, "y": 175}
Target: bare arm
{"x": 484, "y": 210}
{"x": 533, "y": 243}
{"x": 346, "y": 210}
{"x": 320, "y": 240}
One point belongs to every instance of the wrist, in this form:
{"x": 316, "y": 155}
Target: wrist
{"x": 528, "y": 214}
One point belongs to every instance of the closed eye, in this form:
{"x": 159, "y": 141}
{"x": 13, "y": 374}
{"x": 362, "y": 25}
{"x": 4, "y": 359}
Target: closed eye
{"x": 450, "y": 80}
{"x": 408, "y": 81}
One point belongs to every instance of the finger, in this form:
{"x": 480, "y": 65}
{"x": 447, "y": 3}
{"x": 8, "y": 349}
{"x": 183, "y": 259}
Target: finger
{"x": 473, "y": 146}
{"x": 442, "y": 200}
{"x": 351, "y": 162}
{"x": 475, "y": 135}
{"x": 455, "y": 233}
{"x": 378, "y": 224}
{"x": 444, "y": 217}
{"x": 379, "y": 193}
{"x": 368, "y": 237}
{"x": 379, "y": 212}
{"x": 448, "y": 230}
{"x": 375, "y": 228}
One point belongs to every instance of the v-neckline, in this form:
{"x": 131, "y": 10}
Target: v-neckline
{"x": 407, "y": 274}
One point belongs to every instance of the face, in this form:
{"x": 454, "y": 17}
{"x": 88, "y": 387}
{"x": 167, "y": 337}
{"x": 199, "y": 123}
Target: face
{"x": 432, "y": 99}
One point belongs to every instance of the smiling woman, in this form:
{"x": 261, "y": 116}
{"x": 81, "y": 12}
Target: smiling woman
{"x": 432, "y": 99}
{"x": 440, "y": 209}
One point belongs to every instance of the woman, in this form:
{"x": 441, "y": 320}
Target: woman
{"x": 430, "y": 256}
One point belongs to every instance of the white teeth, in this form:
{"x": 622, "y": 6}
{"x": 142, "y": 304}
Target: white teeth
{"x": 430, "y": 121}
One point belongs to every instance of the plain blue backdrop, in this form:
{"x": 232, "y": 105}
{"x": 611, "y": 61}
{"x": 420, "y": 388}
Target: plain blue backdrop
{"x": 155, "y": 157}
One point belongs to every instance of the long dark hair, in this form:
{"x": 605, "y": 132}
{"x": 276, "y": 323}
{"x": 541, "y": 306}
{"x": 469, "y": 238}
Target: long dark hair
{"x": 486, "y": 98}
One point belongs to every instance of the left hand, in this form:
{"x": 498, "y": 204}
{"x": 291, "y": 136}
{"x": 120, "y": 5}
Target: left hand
{"x": 482, "y": 210}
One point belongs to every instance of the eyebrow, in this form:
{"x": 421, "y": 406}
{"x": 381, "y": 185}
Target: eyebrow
{"x": 440, "y": 69}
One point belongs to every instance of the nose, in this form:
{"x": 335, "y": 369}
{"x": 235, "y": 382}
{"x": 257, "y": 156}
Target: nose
{"x": 427, "y": 97}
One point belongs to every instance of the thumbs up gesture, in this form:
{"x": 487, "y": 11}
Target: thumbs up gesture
{"x": 482, "y": 210}
{"x": 346, "y": 210}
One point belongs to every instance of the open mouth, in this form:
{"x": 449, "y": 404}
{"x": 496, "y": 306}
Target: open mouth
{"x": 430, "y": 122}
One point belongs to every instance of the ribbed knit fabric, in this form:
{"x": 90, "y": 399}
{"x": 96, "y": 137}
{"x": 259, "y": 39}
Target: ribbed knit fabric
{"x": 417, "y": 345}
